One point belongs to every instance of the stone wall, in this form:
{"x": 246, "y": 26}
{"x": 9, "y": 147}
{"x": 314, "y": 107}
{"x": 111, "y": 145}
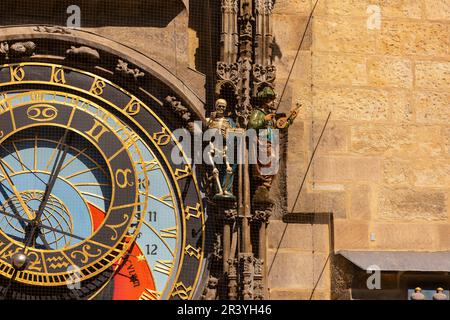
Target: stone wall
{"x": 383, "y": 167}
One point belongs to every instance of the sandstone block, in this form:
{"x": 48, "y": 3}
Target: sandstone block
{"x": 340, "y": 34}
{"x": 437, "y": 10}
{"x": 389, "y": 72}
{"x": 444, "y": 237}
{"x": 334, "y": 138}
{"x": 355, "y": 8}
{"x": 402, "y": 107}
{"x": 294, "y": 7}
{"x": 352, "y": 169}
{"x": 339, "y": 69}
{"x": 401, "y": 141}
{"x": 360, "y": 208}
{"x": 405, "y": 236}
{"x": 277, "y": 294}
{"x": 433, "y": 75}
{"x": 293, "y": 235}
{"x": 297, "y": 270}
{"x": 412, "y": 205}
{"x": 319, "y": 202}
{"x": 413, "y": 38}
{"x": 351, "y": 104}
{"x": 432, "y": 107}
{"x": 350, "y": 234}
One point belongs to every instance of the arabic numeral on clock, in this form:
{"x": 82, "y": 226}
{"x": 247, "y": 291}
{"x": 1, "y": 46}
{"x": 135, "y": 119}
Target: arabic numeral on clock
{"x": 152, "y": 249}
{"x": 152, "y": 216}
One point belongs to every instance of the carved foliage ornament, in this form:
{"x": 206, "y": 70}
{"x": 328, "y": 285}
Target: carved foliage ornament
{"x": 264, "y": 75}
{"x": 227, "y": 74}
{"x": 230, "y": 6}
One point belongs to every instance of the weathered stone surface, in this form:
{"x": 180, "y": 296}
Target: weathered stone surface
{"x": 400, "y": 37}
{"x": 293, "y": 269}
{"x": 360, "y": 206}
{"x": 401, "y": 8}
{"x": 350, "y": 104}
{"x": 347, "y": 168}
{"x": 301, "y": 70}
{"x": 277, "y": 294}
{"x": 432, "y": 107}
{"x": 300, "y": 235}
{"x": 340, "y": 34}
{"x": 322, "y": 202}
{"x": 437, "y": 10}
{"x": 412, "y": 205}
{"x": 402, "y": 107}
{"x": 334, "y": 138}
{"x": 390, "y": 72}
{"x": 292, "y": 7}
{"x": 406, "y": 236}
{"x": 355, "y": 8}
{"x": 351, "y": 234}
{"x": 293, "y": 235}
{"x": 418, "y": 173}
{"x": 340, "y": 69}
{"x": 288, "y": 31}
{"x": 444, "y": 236}
{"x": 401, "y": 141}
{"x": 433, "y": 75}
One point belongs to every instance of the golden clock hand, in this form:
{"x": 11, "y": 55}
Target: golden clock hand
{"x": 27, "y": 210}
{"x": 43, "y": 226}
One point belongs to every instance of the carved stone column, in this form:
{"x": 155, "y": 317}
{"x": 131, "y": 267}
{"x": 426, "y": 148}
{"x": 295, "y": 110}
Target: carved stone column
{"x": 247, "y": 271}
{"x": 263, "y": 69}
{"x": 232, "y": 279}
{"x": 261, "y": 216}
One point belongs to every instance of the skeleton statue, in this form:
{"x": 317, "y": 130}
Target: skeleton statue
{"x": 223, "y": 173}
{"x": 265, "y": 117}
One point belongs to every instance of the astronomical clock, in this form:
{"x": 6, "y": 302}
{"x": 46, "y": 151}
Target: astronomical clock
{"x": 92, "y": 206}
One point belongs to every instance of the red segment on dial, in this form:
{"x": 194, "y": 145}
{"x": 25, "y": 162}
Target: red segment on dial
{"x": 134, "y": 277}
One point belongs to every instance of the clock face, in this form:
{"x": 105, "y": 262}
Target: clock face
{"x": 89, "y": 193}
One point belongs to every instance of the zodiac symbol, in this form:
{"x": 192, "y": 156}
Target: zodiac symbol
{"x": 58, "y": 75}
{"x": 97, "y": 87}
{"x": 181, "y": 291}
{"x": 117, "y": 226}
{"x": 42, "y": 112}
{"x": 182, "y": 173}
{"x": 85, "y": 254}
{"x": 123, "y": 182}
{"x": 36, "y": 263}
{"x": 57, "y": 262}
{"x": 162, "y": 138}
{"x": 197, "y": 213}
{"x": 17, "y": 73}
{"x": 193, "y": 252}
{"x": 132, "y": 108}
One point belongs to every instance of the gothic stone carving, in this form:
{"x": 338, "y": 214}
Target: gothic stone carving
{"x": 17, "y": 50}
{"x": 227, "y": 74}
{"x": 210, "y": 292}
{"x": 263, "y": 76}
{"x": 258, "y": 293}
{"x": 83, "y": 54}
{"x": 181, "y": 111}
{"x": 55, "y": 29}
{"x": 247, "y": 268}
{"x": 123, "y": 69}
